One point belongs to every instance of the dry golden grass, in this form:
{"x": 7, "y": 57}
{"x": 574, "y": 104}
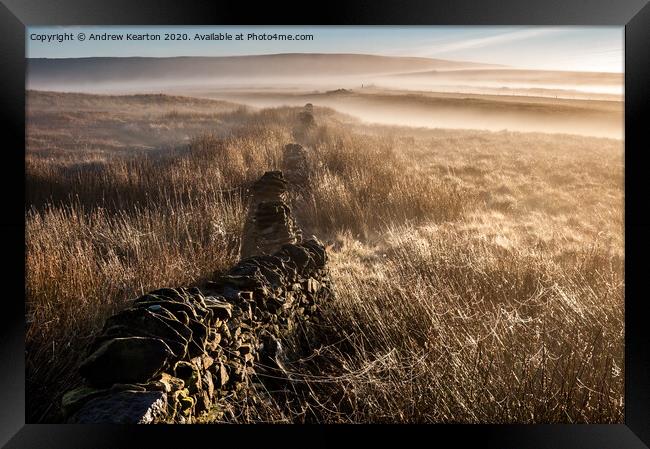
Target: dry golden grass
{"x": 479, "y": 276}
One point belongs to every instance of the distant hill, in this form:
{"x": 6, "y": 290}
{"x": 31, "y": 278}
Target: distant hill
{"x": 43, "y": 72}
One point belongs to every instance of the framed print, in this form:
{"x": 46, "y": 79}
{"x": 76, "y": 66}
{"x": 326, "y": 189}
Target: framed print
{"x": 429, "y": 214}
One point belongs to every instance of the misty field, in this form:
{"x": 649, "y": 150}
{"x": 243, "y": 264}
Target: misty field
{"x": 479, "y": 275}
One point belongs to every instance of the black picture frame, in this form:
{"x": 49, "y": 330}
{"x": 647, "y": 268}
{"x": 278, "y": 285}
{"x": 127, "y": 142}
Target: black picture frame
{"x": 15, "y": 15}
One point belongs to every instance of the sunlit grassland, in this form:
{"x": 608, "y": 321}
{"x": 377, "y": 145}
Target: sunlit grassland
{"x": 478, "y": 275}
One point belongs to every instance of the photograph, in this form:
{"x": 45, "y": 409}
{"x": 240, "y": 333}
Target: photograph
{"x": 325, "y": 224}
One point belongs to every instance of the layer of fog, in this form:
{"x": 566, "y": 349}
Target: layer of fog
{"x": 524, "y": 117}
{"x": 458, "y": 81}
{"x": 339, "y": 93}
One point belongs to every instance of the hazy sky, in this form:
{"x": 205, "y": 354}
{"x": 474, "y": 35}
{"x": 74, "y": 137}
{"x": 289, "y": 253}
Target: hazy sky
{"x": 555, "y": 48}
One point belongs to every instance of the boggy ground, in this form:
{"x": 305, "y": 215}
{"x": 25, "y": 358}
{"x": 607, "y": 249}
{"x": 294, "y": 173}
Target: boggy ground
{"x": 479, "y": 275}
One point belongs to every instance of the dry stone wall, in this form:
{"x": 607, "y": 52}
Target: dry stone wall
{"x": 295, "y": 164}
{"x": 269, "y": 223}
{"x": 303, "y": 131}
{"x": 177, "y": 353}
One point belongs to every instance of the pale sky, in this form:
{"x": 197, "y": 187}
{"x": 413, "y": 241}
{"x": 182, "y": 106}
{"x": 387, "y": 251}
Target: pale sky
{"x": 581, "y": 48}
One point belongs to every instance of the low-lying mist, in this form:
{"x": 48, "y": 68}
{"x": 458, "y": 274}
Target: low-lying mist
{"x": 456, "y": 111}
{"x": 467, "y": 98}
